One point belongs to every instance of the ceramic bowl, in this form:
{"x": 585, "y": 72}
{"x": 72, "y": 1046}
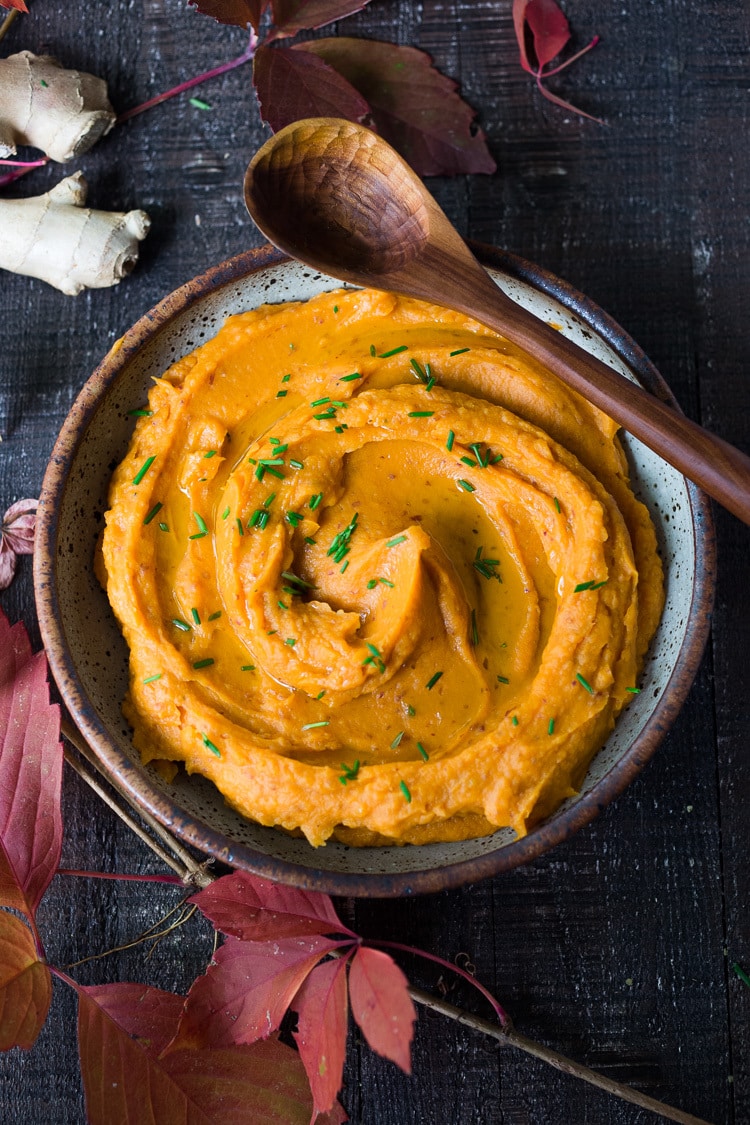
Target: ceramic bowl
{"x": 89, "y": 658}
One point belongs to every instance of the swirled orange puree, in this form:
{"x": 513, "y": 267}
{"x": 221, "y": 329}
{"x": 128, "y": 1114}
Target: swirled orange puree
{"x": 383, "y": 578}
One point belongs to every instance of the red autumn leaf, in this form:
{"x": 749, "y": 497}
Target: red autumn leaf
{"x": 239, "y": 13}
{"x": 16, "y": 537}
{"x": 291, "y": 85}
{"x": 381, "y": 1005}
{"x": 549, "y": 29}
{"x": 414, "y": 106}
{"x": 149, "y": 1015}
{"x": 19, "y": 5}
{"x": 323, "y": 1010}
{"x": 25, "y": 986}
{"x": 264, "y": 1084}
{"x": 253, "y": 909}
{"x": 246, "y": 990}
{"x": 30, "y": 773}
{"x": 291, "y": 16}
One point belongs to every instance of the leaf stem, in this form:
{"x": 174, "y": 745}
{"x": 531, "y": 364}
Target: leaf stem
{"x": 174, "y": 880}
{"x": 572, "y": 59}
{"x": 246, "y": 55}
{"x": 24, "y": 163}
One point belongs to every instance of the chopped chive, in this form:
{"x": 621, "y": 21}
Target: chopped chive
{"x": 394, "y": 351}
{"x": 423, "y": 752}
{"x": 460, "y": 351}
{"x": 420, "y": 413}
{"x": 496, "y": 458}
{"x": 163, "y": 527}
{"x": 276, "y": 440}
{"x": 225, "y": 513}
{"x": 310, "y": 541}
{"x": 584, "y": 683}
{"x": 583, "y": 586}
{"x": 281, "y": 604}
{"x": 418, "y": 370}
{"x": 335, "y": 308}
{"x": 262, "y": 520}
{"x": 503, "y": 680}
{"x": 211, "y": 746}
{"x": 312, "y": 726}
{"x": 395, "y": 542}
{"x": 260, "y": 472}
{"x": 325, "y": 414}
{"x": 410, "y": 711}
{"x": 297, "y": 581}
{"x": 314, "y": 501}
{"x": 339, "y": 429}
{"x": 551, "y": 727}
{"x": 350, "y": 378}
{"x": 211, "y": 453}
{"x": 598, "y": 585}
{"x": 195, "y": 615}
{"x": 199, "y": 103}
{"x": 350, "y": 772}
{"x": 397, "y": 740}
{"x": 274, "y": 472}
{"x": 271, "y": 632}
{"x": 201, "y": 524}
{"x": 320, "y": 401}
{"x": 181, "y": 625}
{"x": 556, "y": 502}
{"x": 467, "y": 487}
{"x": 285, "y": 378}
{"x": 433, "y": 680}
{"x": 293, "y": 518}
{"x": 209, "y": 660}
{"x": 281, "y": 394}
{"x": 198, "y": 535}
{"x": 474, "y": 630}
{"x": 269, "y": 500}
{"x": 372, "y": 584}
{"x": 320, "y": 694}
{"x": 386, "y": 582}
{"x": 451, "y": 439}
{"x": 296, "y": 464}
{"x": 151, "y": 679}
{"x": 238, "y": 521}
{"x": 633, "y": 690}
{"x": 486, "y": 567}
{"x": 372, "y": 349}
{"x": 405, "y": 789}
{"x": 271, "y": 461}
{"x": 430, "y": 383}
{"x": 156, "y": 508}
{"x": 143, "y": 470}
{"x": 43, "y": 83}
{"x": 215, "y": 616}
{"x": 740, "y": 972}
{"x": 291, "y": 641}
{"x": 247, "y": 668}
{"x": 514, "y": 720}
{"x": 140, "y": 413}
{"x": 343, "y": 568}
{"x": 469, "y": 461}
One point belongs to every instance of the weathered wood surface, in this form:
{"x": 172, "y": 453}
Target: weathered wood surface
{"x": 617, "y": 947}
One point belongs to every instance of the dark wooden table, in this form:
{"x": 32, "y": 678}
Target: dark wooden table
{"x": 616, "y": 948}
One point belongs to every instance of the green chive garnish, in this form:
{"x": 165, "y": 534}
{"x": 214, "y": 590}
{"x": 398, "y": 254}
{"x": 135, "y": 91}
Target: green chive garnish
{"x": 474, "y": 630}
{"x": 397, "y": 740}
{"x": 247, "y": 668}
{"x": 410, "y": 711}
{"x": 211, "y": 746}
{"x": 460, "y": 351}
{"x": 140, "y": 413}
{"x": 451, "y": 439}
{"x": 296, "y": 464}
{"x": 211, "y": 453}
{"x": 350, "y": 772}
{"x": 394, "y": 351}
{"x": 320, "y": 401}
{"x": 297, "y": 581}
{"x": 320, "y": 694}
{"x": 312, "y": 726}
{"x": 430, "y": 383}
{"x": 198, "y": 535}
{"x": 285, "y": 378}
{"x": 156, "y": 508}
{"x": 420, "y": 413}
{"x": 423, "y": 752}
{"x": 433, "y": 680}
{"x": 281, "y": 604}
{"x": 584, "y": 683}
{"x": 225, "y": 513}
{"x": 240, "y": 528}
{"x": 469, "y": 461}
{"x": 204, "y": 663}
{"x": 350, "y": 378}
{"x": 343, "y": 568}
{"x": 163, "y": 527}
{"x": 325, "y": 414}
{"x": 310, "y": 541}
{"x": 740, "y": 972}
{"x": 269, "y": 500}
{"x": 181, "y": 625}
{"x": 467, "y": 487}
{"x": 43, "y": 83}
{"x": 335, "y": 308}
{"x": 372, "y": 349}
{"x": 215, "y": 616}
{"x": 556, "y": 502}
{"x": 395, "y": 542}
{"x": 372, "y": 584}
{"x": 486, "y": 567}
{"x": 551, "y": 727}
{"x": 143, "y": 470}
{"x": 195, "y": 615}
{"x": 386, "y": 582}
{"x": 583, "y": 586}
{"x": 281, "y": 394}
{"x": 150, "y": 679}
{"x": 633, "y": 690}
{"x": 291, "y": 641}
{"x": 199, "y": 104}
{"x": 503, "y": 680}
{"x": 418, "y": 370}
{"x": 293, "y": 518}
{"x": 514, "y": 720}
{"x": 402, "y": 784}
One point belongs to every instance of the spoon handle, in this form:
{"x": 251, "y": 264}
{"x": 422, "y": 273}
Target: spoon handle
{"x": 716, "y": 466}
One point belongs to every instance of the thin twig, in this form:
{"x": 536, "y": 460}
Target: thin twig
{"x": 147, "y": 935}
{"x": 7, "y": 23}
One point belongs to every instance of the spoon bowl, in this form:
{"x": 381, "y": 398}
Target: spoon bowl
{"x": 338, "y": 198}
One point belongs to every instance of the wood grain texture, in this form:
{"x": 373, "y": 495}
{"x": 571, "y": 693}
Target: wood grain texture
{"x": 617, "y": 947}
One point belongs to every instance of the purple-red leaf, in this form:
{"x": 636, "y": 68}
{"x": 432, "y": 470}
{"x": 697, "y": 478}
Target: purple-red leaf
{"x": 414, "y": 106}
{"x": 264, "y": 1084}
{"x": 253, "y": 909}
{"x": 549, "y": 29}
{"x": 239, "y": 13}
{"x": 323, "y": 1009}
{"x": 25, "y": 986}
{"x": 293, "y": 84}
{"x": 291, "y": 16}
{"x": 30, "y": 773}
{"x": 16, "y": 537}
{"x": 19, "y": 5}
{"x": 149, "y": 1015}
{"x": 246, "y": 991}
{"x": 381, "y": 1005}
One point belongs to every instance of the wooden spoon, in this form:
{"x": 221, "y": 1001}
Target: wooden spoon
{"x": 339, "y": 198}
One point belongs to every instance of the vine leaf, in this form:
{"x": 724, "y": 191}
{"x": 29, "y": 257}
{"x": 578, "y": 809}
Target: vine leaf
{"x": 149, "y": 1015}
{"x": 246, "y": 990}
{"x": 264, "y": 1084}
{"x": 30, "y": 773}
{"x": 239, "y": 13}
{"x": 541, "y": 25}
{"x": 381, "y": 1005}
{"x": 16, "y": 537}
{"x": 414, "y": 107}
{"x": 25, "y": 985}
{"x": 291, "y": 16}
{"x": 253, "y": 909}
{"x": 293, "y": 84}
{"x": 19, "y": 5}
{"x": 323, "y": 1009}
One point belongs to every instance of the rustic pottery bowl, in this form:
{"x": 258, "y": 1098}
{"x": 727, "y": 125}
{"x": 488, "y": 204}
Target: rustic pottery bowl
{"x": 89, "y": 658}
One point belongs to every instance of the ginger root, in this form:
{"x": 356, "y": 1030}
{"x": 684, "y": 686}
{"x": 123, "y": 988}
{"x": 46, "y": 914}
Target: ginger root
{"x": 62, "y": 112}
{"x": 55, "y": 238}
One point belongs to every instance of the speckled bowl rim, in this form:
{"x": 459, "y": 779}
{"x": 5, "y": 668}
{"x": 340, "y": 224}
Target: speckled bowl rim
{"x": 128, "y": 777}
